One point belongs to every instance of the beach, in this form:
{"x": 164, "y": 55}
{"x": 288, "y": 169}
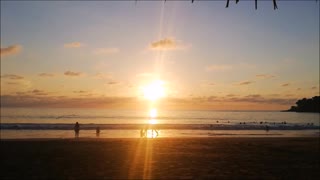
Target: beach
{"x": 161, "y": 158}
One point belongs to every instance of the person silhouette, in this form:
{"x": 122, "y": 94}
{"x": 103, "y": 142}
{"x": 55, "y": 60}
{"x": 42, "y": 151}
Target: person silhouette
{"x": 98, "y": 131}
{"x": 76, "y": 129}
{"x": 142, "y": 132}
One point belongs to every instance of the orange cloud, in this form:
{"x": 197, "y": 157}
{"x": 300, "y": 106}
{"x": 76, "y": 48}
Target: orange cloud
{"x": 12, "y": 76}
{"x": 245, "y": 83}
{"x": 10, "y": 50}
{"x": 80, "y": 92}
{"x": 39, "y": 92}
{"x": 166, "y": 44}
{"x": 46, "y": 75}
{"x": 70, "y": 73}
{"x": 255, "y": 101}
{"x": 285, "y": 85}
{"x": 265, "y": 76}
{"x": 73, "y": 45}
{"x": 102, "y": 76}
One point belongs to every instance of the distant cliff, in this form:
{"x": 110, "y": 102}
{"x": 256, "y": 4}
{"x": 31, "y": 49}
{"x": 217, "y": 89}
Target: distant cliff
{"x": 307, "y": 105}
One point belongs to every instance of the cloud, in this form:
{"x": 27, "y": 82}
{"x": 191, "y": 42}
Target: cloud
{"x": 253, "y": 96}
{"x": 102, "y": 76}
{"x": 314, "y": 87}
{"x": 262, "y": 100}
{"x": 33, "y": 100}
{"x": 13, "y": 83}
{"x": 220, "y": 67}
{"x": 167, "y": 44}
{"x": 106, "y": 51}
{"x": 70, "y": 73}
{"x": 10, "y": 50}
{"x": 46, "y": 75}
{"x": 265, "y": 76}
{"x": 231, "y": 95}
{"x": 274, "y": 94}
{"x": 112, "y": 83}
{"x": 73, "y": 45}
{"x": 298, "y": 89}
{"x": 80, "y": 92}
{"x": 245, "y": 83}
{"x": 38, "y": 92}
{"x": 12, "y": 77}
{"x": 15, "y": 80}
{"x": 285, "y": 85}
{"x": 289, "y": 95}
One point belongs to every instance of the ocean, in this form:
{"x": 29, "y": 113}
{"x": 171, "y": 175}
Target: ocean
{"x": 19, "y": 123}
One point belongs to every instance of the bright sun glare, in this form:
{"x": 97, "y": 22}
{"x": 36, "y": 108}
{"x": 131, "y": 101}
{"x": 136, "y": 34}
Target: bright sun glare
{"x": 154, "y": 90}
{"x": 153, "y": 114}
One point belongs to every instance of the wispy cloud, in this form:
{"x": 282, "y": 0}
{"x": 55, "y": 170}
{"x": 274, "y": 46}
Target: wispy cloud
{"x": 112, "y": 83}
{"x": 33, "y": 100}
{"x": 71, "y": 73}
{"x": 314, "y": 87}
{"x": 102, "y": 76}
{"x": 46, "y": 75}
{"x": 73, "y": 45}
{"x": 253, "y": 96}
{"x": 218, "y": 67}
{"x": 106, "y": 51}
{"x": 265, "y": 76}
{"x": 13, "y": 83}
{"x": 167, "y": 44}
{"x": 80, "y": 92}
{"x": 231, "y": 95}
{"x": 285, "y": 84}
{"x": 10, "y": 50}
{"x": 12, "y": 76}
{"x": 38, "y": 92}
{"x": 244, "y": 83}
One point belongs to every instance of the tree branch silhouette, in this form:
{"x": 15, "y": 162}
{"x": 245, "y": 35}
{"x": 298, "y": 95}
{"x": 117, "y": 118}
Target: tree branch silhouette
{"x": 275, "y": 6}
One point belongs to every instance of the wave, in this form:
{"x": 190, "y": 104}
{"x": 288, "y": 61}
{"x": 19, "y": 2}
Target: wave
{"x": 91, "y": 126}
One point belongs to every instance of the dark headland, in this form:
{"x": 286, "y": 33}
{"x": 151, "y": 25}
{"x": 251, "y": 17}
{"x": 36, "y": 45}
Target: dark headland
{"x": 306, "y": 105}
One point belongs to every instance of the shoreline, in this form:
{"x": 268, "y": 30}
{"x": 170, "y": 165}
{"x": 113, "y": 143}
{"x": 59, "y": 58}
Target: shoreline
{"x": 135, "y": 138}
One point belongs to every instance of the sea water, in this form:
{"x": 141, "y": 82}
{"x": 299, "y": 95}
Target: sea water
{"x": 59, "y": 123}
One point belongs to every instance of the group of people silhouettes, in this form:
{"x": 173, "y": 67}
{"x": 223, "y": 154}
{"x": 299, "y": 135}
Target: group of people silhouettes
{"x": 143, "y": 132}
{"x": 77, "y": 130}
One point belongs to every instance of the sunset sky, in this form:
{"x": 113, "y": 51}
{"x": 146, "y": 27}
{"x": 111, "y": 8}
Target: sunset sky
{"x": 102, "y": 54}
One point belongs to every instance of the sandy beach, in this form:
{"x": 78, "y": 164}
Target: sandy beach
{"x": 163, "y": 158}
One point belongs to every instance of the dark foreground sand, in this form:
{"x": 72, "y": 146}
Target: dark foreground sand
{"x": 167, "y": 158}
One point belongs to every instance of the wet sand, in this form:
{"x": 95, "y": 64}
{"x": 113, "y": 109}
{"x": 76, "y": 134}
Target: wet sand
{"x": 163, "y": 158}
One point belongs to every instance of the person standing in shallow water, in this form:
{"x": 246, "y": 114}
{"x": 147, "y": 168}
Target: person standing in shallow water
{"x": 98, "y": 131}
{"x": 77, "y": 129}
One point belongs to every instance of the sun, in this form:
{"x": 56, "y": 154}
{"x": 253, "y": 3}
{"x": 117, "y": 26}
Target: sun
{"x": 154, "y": 90}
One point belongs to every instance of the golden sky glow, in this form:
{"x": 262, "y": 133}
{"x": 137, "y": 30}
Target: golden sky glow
{"x": 176, "y": 55}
